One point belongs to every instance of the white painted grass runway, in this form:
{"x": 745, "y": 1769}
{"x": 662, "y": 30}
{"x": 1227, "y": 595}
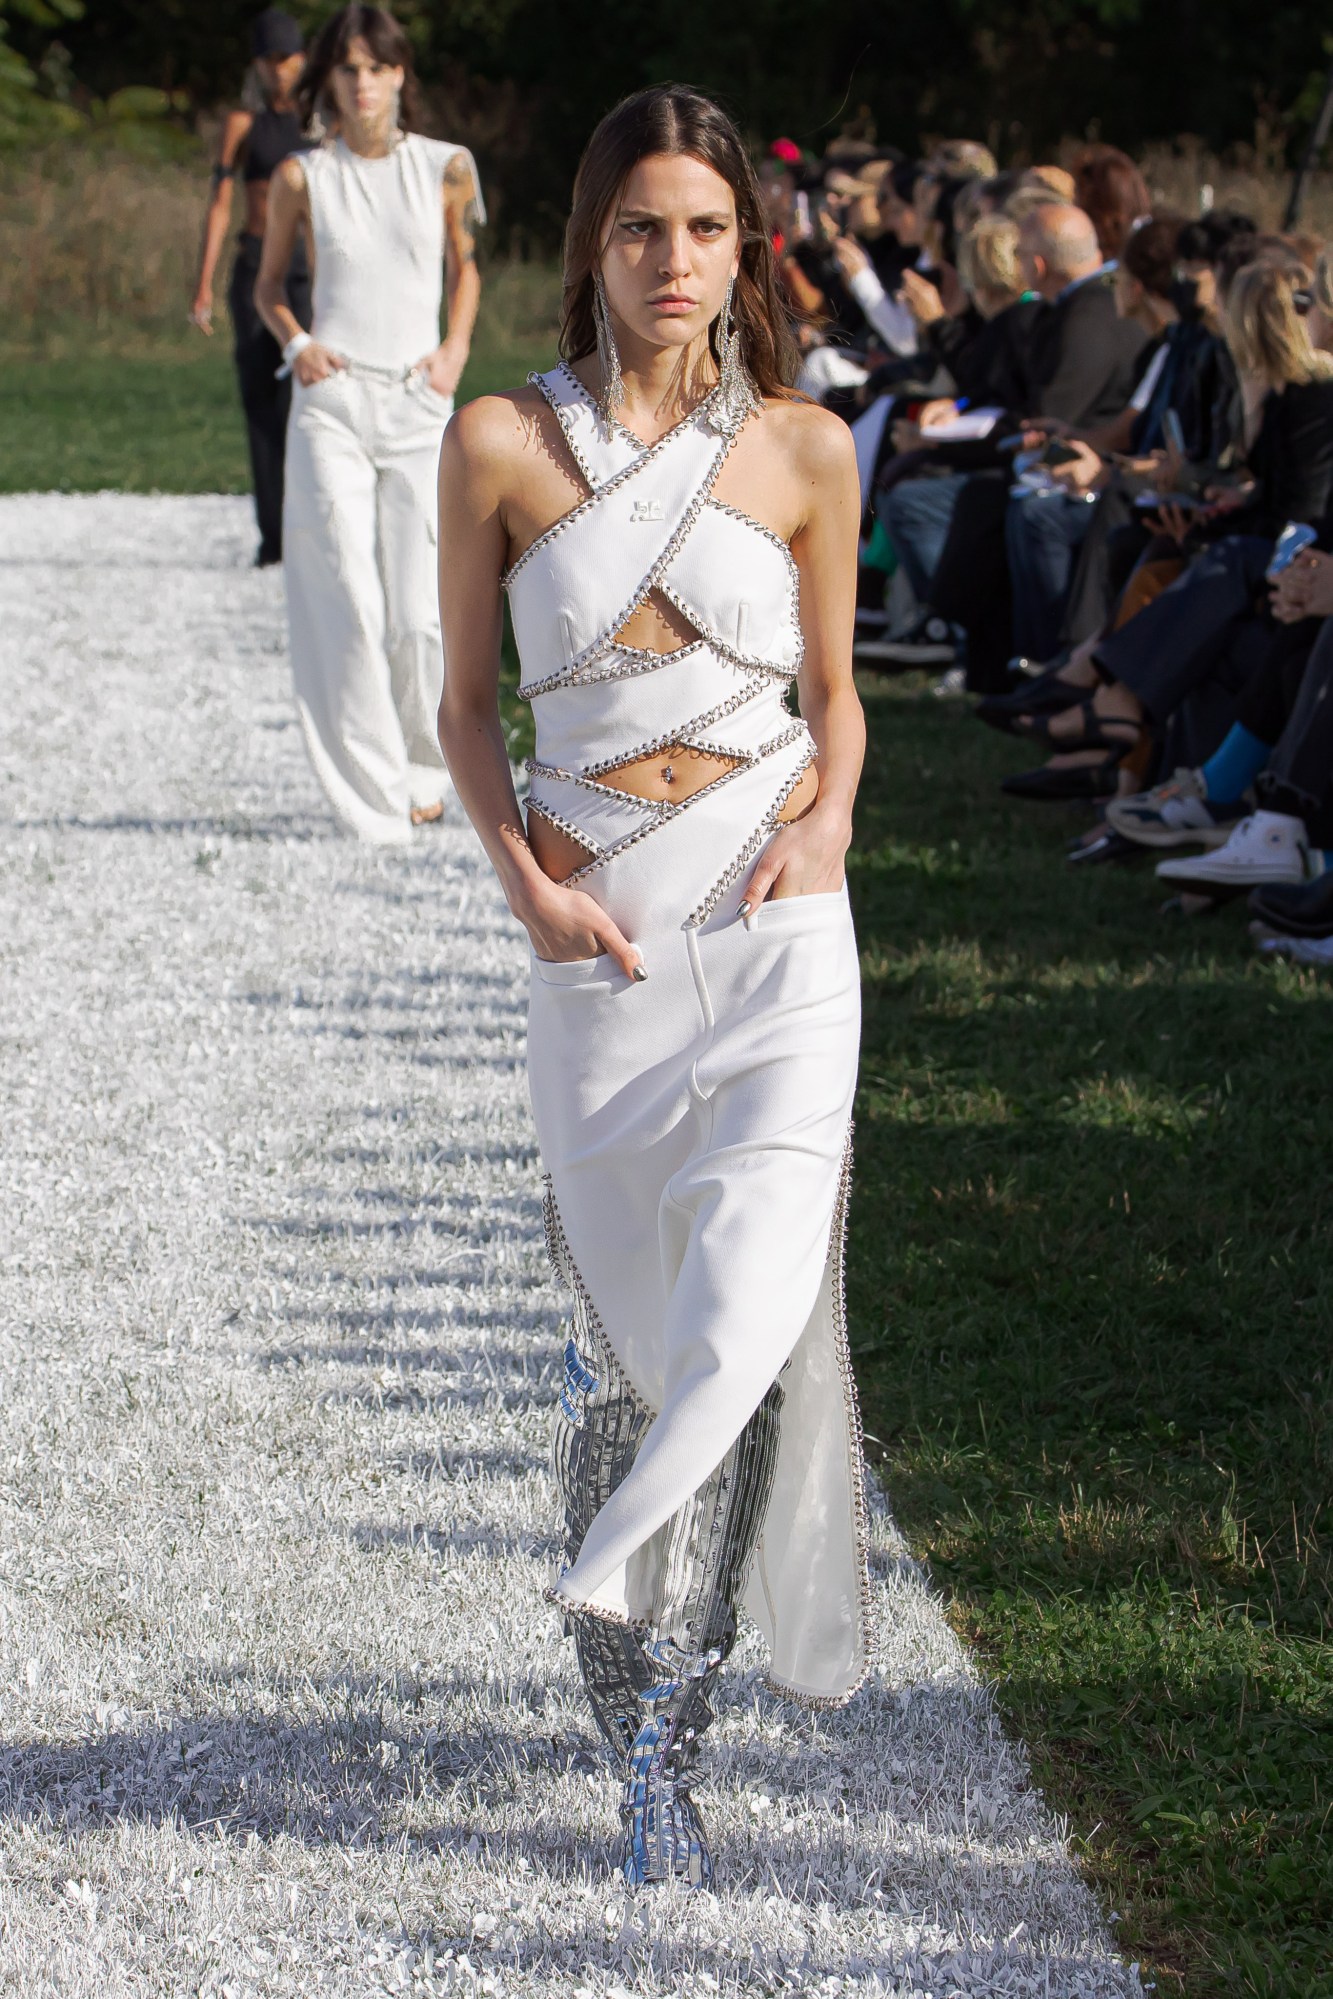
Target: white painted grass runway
{"x": 281, "y": 1711}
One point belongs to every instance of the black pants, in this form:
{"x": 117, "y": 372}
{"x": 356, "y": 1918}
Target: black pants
{"x": 971, "y": 586}
{"x": 1113, "y": 545}
{"x": 1299, "y": 778}
{"x": 1271, "y": 688}
{"x": 1179, "y": 641}
{"x": 265, "y": 400}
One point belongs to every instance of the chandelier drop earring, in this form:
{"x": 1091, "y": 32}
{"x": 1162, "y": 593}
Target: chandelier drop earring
{"x": 737, "y": 390}
{"x": 608, "y": 354}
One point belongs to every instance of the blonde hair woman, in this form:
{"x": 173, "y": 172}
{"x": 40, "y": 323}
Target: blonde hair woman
{"x": 988, "y": 264}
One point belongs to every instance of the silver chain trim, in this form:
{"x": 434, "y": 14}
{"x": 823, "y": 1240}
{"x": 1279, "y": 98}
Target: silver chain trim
{"x": 647, "y": 452}
{"x": 767, "y": 825}
{"x": 856, "y": 1444}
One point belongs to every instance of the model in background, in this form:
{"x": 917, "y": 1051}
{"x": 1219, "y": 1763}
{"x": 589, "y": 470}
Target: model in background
{"x": 255, "y": 141}
{"x": 390, "y": 215}
{"x": 677, "y": 536}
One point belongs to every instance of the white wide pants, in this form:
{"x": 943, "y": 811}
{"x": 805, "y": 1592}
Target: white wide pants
{"x": 359, "y": 554}
{"x": 694, "y": 1129}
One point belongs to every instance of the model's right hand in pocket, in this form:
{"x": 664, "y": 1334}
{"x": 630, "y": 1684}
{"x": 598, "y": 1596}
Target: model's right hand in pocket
{"x": 565, "y": 925}
{"x": 316, "y": 363}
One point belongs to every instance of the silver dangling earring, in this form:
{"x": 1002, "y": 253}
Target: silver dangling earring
{"x": 737, "y": 390}
{"x": 608, "y": 354}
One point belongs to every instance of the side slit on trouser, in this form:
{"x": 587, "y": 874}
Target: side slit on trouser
{"x": 651, "y": 1689}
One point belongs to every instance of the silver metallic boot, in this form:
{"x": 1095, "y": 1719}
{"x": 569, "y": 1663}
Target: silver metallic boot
{"x": 664, "y": 1836}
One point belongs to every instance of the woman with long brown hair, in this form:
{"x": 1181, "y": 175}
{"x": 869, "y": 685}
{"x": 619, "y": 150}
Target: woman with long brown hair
{"x": 677, "y": 538}
{"x": 393, "y": 218}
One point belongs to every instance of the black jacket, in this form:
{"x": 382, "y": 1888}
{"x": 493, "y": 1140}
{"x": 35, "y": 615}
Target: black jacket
{"x": 989, "y": 359}
{"x": 1083, "y": 358}
{"x": 1290, "y": 461}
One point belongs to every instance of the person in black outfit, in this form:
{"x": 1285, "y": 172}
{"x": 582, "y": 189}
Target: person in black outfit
{"x": 1082, "y": 363}
{"x": 258, "y": 140}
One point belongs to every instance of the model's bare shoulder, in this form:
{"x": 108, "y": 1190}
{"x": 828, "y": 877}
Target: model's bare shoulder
{"x": 488, "y": 441}
{"x": 818, "y": 443}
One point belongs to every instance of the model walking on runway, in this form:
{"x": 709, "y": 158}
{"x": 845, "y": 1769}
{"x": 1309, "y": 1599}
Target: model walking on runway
{"x": 391, "y": 216}
{"x": 255, "y": 140}
{"x": 677, "y": 536}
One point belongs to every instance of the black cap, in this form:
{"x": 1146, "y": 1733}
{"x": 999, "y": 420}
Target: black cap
{"x": 276, "y": 34}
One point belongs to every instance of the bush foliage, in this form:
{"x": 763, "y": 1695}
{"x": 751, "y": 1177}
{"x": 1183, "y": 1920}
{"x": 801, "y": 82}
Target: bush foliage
{"x": 524, "y": 79}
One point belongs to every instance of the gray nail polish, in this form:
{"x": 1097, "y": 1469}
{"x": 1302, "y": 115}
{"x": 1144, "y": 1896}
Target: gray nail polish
{"x": 640, "y": 972}
{"x": 744, "y": 909}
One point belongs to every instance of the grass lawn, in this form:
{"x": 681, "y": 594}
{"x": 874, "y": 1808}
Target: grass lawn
{"x": 1090, "y": 1270}
{"x": 1091, "y": 1293}
{"x": 158, "y": 412}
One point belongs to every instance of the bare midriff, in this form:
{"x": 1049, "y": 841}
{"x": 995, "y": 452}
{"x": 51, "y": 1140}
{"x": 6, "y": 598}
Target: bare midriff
{"x": 560, "y": 856}
{"x": 671, "y": 774}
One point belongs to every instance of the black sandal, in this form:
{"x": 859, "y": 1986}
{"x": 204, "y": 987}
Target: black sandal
{"x": 1096, "y": 730}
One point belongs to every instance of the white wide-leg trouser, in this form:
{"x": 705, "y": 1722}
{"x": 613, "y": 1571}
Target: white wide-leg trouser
{"x": 694, "y": 1130}
{"x": 359, "y": 552}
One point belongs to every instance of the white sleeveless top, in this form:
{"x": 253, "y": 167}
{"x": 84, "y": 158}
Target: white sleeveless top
{"x": 649, "y": 524}
{"x": 379, "y": 247}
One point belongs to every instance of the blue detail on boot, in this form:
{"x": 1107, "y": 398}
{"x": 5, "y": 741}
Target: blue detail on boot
{"x": 664, "y": 1835}
{"x": 579, "y": 1384}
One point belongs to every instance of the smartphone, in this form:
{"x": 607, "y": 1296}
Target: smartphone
{"x": 1148, "y": 503}
{"x": 1293, "y": 540}
{"x": 1059, "y": 453}
{"x": 1014, "y": 442}
{"x": 1173, "y": 432}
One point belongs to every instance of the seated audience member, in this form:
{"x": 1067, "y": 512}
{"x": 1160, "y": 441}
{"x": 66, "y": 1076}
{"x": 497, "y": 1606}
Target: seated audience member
{"x": 1109, "y": 187}
{"x": 1148, "y": 670}
{"x": 1091, "y": 496}
{"x": 1280, "y": 747}
{"x": 1081, "y": 370}
{"x": 845, "y": 212}
{"x": 903, "y": 222}
{"x": 985, "y": 355}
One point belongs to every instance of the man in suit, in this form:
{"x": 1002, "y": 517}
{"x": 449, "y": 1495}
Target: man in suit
{"x": 1082, "y": 366}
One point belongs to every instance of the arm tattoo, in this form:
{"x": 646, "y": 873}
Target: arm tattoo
{"x": 460, "y": 179}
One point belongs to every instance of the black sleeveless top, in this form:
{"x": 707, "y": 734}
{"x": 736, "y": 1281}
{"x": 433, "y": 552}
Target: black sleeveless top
{"x": 270, "y": 139}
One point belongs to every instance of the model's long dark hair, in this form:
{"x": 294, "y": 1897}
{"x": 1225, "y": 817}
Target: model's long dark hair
{"x": 387, "y": 43}
{"x": 672, "y": 118}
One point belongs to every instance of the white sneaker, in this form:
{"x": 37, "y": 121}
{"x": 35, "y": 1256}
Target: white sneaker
{"x": 1174, "y": 814}
{"x": 1265, "y": 847}
{"x": 1301, "y": 950}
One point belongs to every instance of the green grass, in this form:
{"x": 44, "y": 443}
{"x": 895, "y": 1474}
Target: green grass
{"x": 1091, "y": 1281}
{"x": 1091, "y": 1292}
{"x": 156, "y": 409}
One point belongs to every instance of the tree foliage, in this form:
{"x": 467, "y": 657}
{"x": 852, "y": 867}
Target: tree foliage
{"x": 523, "y": 80}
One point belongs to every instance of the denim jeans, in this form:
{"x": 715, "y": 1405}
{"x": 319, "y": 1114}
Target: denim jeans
{"x": 1043, "y": 534}
{"x": 916, "y": 516}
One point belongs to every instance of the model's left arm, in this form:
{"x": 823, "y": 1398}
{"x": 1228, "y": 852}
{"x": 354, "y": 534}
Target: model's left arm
{"x": 806, "y": 855}
{"x": 463, "y": 217}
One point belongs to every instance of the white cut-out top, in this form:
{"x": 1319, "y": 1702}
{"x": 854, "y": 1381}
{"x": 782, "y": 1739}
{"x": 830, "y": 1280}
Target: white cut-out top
{"x": 649, "y": 524}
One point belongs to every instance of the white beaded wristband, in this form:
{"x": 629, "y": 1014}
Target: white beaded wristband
{"x": 296, "y": 345}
